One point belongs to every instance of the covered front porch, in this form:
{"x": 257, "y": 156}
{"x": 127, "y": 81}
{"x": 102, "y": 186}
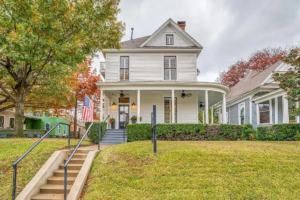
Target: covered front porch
{"x": 175, "y": 102}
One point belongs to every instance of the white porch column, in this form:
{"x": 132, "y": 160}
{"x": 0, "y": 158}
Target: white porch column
{"x": 206, "y": 107}
{"x": 297, "y": 116}
{"x": 101, "y": 104}
{"x": 224, "y": 110}
{"x": 212, "y": 114}
{"x": 203, "y": 117}
{"x": 138, "y": 106}
{"x": 276, "y": 110}
{"x": 285, "y": 104}
{"x": 173, "y": 107}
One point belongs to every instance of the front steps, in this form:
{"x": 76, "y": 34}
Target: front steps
{"x": 114, "y": 136}
{"x": 54, "y": 189}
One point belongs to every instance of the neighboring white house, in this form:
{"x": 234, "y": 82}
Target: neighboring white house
{"x": 160, "y": 69}
{"x": 258, "y": 100}
{"x": 7, "y": 119}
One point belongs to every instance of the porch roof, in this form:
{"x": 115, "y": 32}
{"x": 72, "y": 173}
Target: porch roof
{"x": 164, "y": 85}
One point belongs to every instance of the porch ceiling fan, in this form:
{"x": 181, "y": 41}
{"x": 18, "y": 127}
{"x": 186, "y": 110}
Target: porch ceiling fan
{"x": 201, "y": 105}
{"x": 122, "y": 95}
{"x": 183, "y": 94}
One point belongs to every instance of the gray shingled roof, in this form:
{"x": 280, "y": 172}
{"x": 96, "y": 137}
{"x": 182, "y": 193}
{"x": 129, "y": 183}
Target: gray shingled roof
{"x": 250, "y": 82}
{"x": 136, "y": 43}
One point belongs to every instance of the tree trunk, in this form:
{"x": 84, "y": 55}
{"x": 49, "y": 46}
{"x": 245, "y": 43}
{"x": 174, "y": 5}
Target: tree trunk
{"x": 75, "y": 119}
{"x": 19, "y": 115}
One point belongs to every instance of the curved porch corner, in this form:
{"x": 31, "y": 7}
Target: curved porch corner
{"x": 122, "y": 100}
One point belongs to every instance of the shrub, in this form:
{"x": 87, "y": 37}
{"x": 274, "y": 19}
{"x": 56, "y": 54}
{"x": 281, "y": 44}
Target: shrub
{"x": 137, "y": 132}
{"x": 286, "y": 132}
{"x": 93, "y": 133}
{"x": 236, "y": 132}
{"x": 281, "y": 132}
{"x": 180, "y": 131}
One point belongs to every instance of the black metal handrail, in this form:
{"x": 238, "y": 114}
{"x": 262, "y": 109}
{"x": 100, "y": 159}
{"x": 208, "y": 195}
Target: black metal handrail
{"x": 74, "y": 151}
{"x": 124, "y": 130}
{"x": 100, "y": 132}
{"x": 32, "y": 147}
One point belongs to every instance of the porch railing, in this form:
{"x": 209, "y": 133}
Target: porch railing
{"x": 29, "y": 150}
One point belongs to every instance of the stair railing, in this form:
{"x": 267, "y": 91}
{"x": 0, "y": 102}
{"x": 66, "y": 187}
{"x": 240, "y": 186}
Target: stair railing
{"x": 30, "y": 149}
{"x": 74, "y": 151}
{"x": 124, "y": 130}
{"x": 100, "y": 132}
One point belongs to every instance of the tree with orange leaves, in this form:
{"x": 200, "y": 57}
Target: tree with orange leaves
{"x": 83, "y": 82}
{"x": 259, "y": 60}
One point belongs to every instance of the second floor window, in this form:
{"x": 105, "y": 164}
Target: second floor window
{"x": 124, "y": 68}
{"x": 169, "y": 39}
{"x": 170, "y": 68}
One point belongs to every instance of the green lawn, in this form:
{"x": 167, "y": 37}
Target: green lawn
{"x": 12, "y": 149}
{"x": 197, "y": 170}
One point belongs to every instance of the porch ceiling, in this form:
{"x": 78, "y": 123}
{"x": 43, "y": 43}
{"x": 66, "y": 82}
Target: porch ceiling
{"x": 213, "y": 96}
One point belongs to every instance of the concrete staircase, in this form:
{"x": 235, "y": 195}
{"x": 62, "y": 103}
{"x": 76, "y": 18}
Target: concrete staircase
{"x": 54, "y": 189}
{"x": 114, "y": 136}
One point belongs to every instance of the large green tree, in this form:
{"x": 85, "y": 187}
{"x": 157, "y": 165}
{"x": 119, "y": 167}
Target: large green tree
{"x": 290, "y": 80}
{"x": 41, "y": 40}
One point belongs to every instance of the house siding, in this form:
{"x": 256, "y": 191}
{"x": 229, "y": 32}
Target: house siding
{"x": 150, "y": 66}
{"x": 280, "y": 110}
{"x": 273, "y": 111}
{"x": 234, "y": 112}
{"x": 160, "y": 40}
{"x": 187, "y": 108}
{"x": 254, "y": 115}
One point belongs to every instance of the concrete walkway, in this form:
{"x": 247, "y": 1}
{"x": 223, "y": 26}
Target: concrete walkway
{"x": 94, "y": 147}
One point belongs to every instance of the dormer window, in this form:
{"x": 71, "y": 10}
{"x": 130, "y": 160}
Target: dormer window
{"x": 170, "y": 39}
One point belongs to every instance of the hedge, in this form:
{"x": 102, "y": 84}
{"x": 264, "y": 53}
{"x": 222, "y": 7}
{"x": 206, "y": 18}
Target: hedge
{"x": 181, "y": 132}
{"x": 279, "y": 132}
{"x": 93, "y": 133}
{"x": 137, "y": 132}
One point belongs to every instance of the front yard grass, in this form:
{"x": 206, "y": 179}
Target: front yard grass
{"x": 12, "y": 149}
{"x": 196, "y": 170}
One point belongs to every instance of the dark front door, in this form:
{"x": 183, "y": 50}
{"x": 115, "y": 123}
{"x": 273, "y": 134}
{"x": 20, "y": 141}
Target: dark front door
{"x": 124, "y": 115}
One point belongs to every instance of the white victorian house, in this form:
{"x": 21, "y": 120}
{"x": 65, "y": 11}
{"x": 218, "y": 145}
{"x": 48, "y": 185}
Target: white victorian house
{"x": 159, "y": 69}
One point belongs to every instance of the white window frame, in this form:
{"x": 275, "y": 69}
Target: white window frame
{"x": 170, "y": 77}
{"x": 227, "y": 120}
{"x": 169, "y": 39}
{"x": 59, "y": 129}
{"x": 258, "y": 113}
{"x": 9, "y": 122}
{"x": 2, "y": 127}
{"x": 241, "y": 105}
{"x": 46, "y": 125}
{"x": 120, "y": 68}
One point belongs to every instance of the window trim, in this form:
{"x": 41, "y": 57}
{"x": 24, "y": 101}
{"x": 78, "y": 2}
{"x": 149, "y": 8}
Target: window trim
{"x": 167, "y": 39}
{"x": 176, "y": 68}
{"x": 3, "y": 121}
{"x": 241, "y": 105}
{"x": 176, "y": 111}
{"x": 9, "y": 122}
{"x": 124, "y": 68}
{"x": 258, "y": 113}
{"x": 49, "y": 125}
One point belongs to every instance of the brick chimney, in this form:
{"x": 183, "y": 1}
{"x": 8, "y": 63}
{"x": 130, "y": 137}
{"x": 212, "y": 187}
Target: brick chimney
{"x": 181, "y": 24}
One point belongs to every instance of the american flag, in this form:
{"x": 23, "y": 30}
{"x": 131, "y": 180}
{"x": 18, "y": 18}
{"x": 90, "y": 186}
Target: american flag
{"x": 88, "y": 110}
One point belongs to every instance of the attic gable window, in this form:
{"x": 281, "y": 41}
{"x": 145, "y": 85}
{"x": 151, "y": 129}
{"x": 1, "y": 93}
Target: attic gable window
{"x": 169, "y": 39}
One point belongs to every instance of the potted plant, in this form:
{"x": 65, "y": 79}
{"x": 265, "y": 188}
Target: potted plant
{"x": 112, "y": 122}
{"x": 133, "y": 119}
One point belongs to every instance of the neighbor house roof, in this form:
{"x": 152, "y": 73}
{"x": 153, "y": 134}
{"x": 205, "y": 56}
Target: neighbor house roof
{"x": 31, "y": 116}
{"x": 252, "y": 81}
